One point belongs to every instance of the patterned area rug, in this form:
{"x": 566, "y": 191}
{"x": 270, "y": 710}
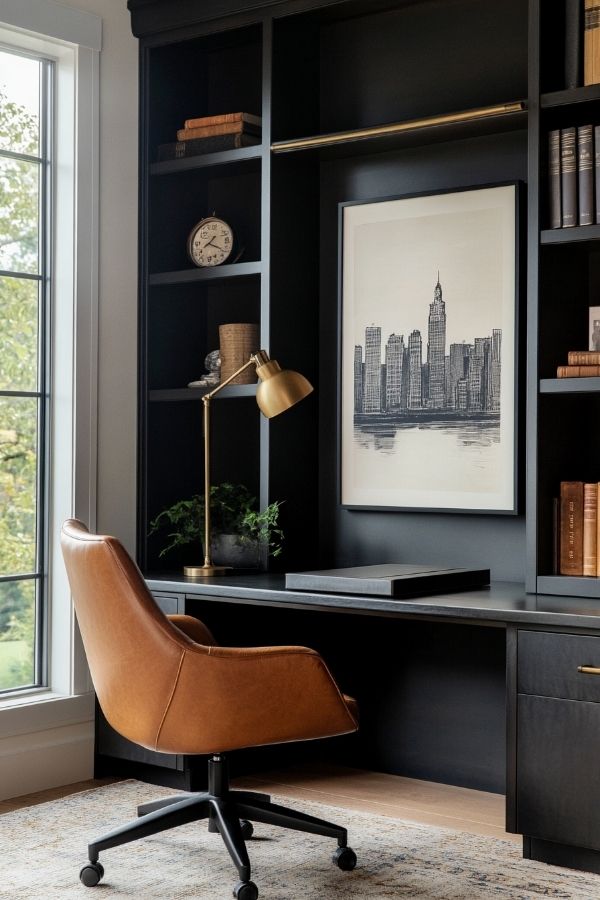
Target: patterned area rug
{"x": 43, "y": 847}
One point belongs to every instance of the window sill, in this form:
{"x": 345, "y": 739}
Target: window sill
{"x": 40, "y": 711}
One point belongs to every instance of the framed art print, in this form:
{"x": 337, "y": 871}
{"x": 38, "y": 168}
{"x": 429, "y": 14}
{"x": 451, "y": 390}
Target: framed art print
{"x": 428, "y": 323}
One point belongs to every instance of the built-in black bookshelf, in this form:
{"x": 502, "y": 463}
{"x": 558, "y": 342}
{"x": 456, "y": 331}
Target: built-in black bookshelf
{"x": 564, "y": 279}
{"x": 309, "y": 69}
{"x": 345, "y": 68}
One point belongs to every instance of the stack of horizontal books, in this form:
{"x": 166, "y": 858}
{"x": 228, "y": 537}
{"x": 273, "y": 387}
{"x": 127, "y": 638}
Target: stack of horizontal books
{"x": 581, "y": 364}
{"x": 211, "y": 134}
{"x": 576, "y": 529}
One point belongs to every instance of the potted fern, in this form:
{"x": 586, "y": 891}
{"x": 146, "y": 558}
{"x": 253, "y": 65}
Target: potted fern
{"x": 241, "y": 533}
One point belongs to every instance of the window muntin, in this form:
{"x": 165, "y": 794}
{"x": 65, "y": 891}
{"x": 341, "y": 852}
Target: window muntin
{"x": 25, "y": 140}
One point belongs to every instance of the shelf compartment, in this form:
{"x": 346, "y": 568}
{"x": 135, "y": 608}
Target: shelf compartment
{"x": 206, "y": 276}
{"x": 233, "y": 391}
{"x": 570, "y": 97}
{"x": 568, "y": 585}
{"x": 588, "y": 385}
{"x": 203, "y": 76}
{"x": 573, "y": 235}
{"x": 229, "y": 158}
{"x": 449, "y": 126}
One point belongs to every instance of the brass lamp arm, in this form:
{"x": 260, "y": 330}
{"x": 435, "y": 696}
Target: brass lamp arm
{"x": 252, "y": 361}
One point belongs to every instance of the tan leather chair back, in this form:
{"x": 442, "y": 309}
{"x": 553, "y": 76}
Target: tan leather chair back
{"x": 133, "y": 650}
{"x": 168, "y": 687}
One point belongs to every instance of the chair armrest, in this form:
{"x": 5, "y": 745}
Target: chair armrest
{"x": 193, "y": 628}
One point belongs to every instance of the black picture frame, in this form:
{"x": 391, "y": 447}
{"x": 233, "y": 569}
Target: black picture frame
{"x": 496, "y": 425}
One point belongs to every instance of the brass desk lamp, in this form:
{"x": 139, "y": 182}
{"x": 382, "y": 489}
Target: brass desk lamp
{"x": 279, "y": 390}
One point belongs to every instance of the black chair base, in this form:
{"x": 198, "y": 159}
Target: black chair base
{"x": 228, "y": 812}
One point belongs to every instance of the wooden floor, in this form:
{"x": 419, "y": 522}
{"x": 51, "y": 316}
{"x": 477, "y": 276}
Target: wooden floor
{"x": 442, "y": 805}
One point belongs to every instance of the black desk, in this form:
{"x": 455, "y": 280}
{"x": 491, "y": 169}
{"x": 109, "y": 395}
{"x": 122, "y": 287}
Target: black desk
{"x": 478, "y": 688}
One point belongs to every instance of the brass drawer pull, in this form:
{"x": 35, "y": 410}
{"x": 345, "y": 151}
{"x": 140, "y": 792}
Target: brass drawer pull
{"x": 588, "y": 670}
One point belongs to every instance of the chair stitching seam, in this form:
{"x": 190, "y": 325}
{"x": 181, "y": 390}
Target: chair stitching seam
{"x": 170, "y": 700}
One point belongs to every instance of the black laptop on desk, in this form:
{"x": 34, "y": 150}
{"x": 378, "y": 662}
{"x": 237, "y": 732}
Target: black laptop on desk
{"x": 391, "y": 580}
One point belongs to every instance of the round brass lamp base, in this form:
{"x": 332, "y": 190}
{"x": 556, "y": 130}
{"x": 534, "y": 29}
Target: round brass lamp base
{"x": 204, "y": 571}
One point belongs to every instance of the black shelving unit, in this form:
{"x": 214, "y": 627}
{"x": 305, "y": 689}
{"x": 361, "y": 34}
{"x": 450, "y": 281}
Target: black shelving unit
{"x": 308, "y": 68}
{"x": 564, "y": 278}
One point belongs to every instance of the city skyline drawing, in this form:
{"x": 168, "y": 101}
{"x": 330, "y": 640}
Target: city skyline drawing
{"x": 419, "y": 382}
{"x": 428, "y": 329}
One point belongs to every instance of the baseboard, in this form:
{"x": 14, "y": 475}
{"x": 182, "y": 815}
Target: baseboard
{"x": 46, "y": 759}
{"x": 561, "y": 855}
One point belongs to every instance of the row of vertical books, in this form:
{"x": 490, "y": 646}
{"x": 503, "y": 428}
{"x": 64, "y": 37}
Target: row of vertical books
{"x": 582, "y": 43}
{"x": 576, "y": 529}
{"x": 574, "y": 176}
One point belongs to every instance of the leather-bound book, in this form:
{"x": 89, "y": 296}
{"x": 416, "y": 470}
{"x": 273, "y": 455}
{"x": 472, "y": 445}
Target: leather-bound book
{"x": 577, "y": 371}
{"x": 571, "y": 528}
{"x": 190, "y": 134}
{"x": 590, "y": 528}
{"x": 583, "y": 358}
{"x": 585, "y": 174}
{"x": 597, "y": 532}
{"x": 224, "y": 119}
{"x": 568, "y": 176}
{"x": 573, "y": 41}
{"x": 554, "y": 178}
{"x": 591, "y": 42}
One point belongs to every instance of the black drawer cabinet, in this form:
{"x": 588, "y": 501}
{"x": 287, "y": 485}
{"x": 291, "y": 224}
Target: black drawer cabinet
{"x": 558, "y": 748}
{"x": 549, "y": 663}
{"x": 558, "y": 784}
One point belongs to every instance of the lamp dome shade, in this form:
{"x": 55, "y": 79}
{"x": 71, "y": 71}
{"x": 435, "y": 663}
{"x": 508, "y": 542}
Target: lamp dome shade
{"x": 280, "y": 389}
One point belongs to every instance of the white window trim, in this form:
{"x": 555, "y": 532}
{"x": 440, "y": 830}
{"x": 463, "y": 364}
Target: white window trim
{"x": 72, "y": 38}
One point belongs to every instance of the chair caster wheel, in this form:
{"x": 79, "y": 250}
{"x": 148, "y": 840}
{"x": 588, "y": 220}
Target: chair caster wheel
{"x": 344, "y": 858}
{"x": 245, "y": 890}
{"x": 247, "y": 829}
{"x": 91, "y": 874}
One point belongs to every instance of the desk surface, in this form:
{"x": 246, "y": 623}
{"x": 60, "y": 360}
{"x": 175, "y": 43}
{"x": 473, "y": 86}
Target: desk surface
{"x": 501, "y": 603}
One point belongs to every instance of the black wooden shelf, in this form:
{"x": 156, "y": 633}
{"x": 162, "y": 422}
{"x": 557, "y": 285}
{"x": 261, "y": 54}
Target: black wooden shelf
{"x": 569, "y": 97}
{"x": 570, "y": 235}
{"x": 213, "y": 273}
{"x": 184, "y": 394}
{"x": 352, "y": 143}
{"x": 569, "y": 585}
{"x": 585, "y": 385}
{"x": 233, "y": 157}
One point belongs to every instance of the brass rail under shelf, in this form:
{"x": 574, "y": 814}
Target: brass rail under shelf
{"x": 410, "y": 125}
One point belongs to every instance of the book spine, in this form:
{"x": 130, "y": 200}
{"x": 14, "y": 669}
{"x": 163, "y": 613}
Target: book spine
{"x": 554, "y": 178}
{"x": 585, "y": 173}
{"x": 222, "y": 119}
{"x": 583, "y": 358}
{"x": 568, "y": 177}
{"x": 591, "y": 43}
{"x": 188, "y": 134}
{"x": 573, "y": 34}
{"x": 577, "y": 371}
{"x": 597, "y": 530}
{"x": 571, "y": 528}
{"x": 590, "y": 528}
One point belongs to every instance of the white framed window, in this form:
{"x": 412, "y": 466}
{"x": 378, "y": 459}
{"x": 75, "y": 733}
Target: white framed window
{"x": 61, "y": 277}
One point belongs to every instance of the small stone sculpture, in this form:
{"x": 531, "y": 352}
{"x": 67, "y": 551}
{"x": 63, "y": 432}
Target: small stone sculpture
{"x": 212, "y": 363}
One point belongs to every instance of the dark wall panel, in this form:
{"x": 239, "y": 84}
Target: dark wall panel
{"x": 353, "y": 537}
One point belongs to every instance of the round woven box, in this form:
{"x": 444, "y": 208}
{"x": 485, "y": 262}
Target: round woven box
{"x": 237, "y": 343}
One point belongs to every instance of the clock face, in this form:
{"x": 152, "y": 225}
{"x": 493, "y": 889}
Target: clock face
{"x": 210, "y": 242}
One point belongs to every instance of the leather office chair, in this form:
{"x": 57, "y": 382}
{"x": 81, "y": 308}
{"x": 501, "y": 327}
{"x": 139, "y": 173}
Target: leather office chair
{"x": 164, "y": 683}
